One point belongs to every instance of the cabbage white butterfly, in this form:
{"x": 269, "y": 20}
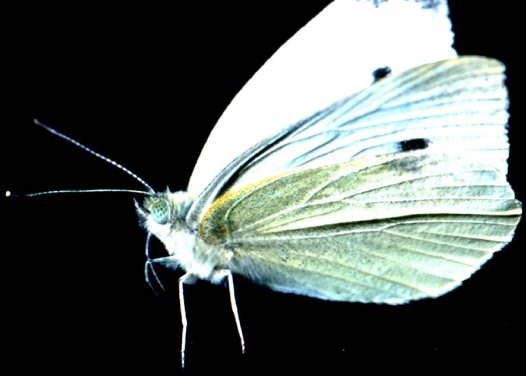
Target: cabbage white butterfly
{"x": 404, "y": 165}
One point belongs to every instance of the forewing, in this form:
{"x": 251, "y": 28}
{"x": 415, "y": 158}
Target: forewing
{"x": 384, "y": 229}
{"x": 330, "y": 58}
{"x": 457, "y": 104}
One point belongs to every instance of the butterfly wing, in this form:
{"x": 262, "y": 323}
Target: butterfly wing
{"x": 458, "y": 104}
{"x": 384, "y": 229}
{"x": 330, "y": 58}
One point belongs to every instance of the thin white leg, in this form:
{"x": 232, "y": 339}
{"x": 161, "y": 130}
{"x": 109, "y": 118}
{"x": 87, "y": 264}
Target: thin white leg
{"x": 184, "y": 323}
{"x": 149, "y": 266}
{"x": 233, "y": 304}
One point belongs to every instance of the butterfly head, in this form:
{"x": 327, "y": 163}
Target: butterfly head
{"x": 164, "y": 208}
{"x": 164, "y": 216}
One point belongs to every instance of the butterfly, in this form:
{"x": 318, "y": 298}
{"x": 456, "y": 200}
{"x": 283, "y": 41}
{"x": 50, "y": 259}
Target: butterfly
{"x": 358, "y": 165}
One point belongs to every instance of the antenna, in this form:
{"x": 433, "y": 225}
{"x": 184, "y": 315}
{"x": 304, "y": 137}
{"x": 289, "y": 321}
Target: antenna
{"x": 100, "y": 156}
{"x": 11, "y": 194}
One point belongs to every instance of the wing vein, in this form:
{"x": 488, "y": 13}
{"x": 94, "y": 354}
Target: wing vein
{"x": 353, "y": 281}
{"x": 439, "y": 242}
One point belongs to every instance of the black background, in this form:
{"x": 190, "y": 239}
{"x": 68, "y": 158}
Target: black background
{"x": 144, "y": 84}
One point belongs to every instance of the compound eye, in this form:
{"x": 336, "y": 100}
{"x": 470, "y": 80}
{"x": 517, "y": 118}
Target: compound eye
{"x": 160, "y": 211}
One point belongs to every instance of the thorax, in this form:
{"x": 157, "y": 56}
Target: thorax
{"x": 181, "y": 239}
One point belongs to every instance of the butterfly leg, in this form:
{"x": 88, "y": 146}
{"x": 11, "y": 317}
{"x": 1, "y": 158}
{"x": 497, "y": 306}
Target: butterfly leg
{"x": 149, "y": 269}
{"x": 184, "y": 279}
{"x": 233, "y": 304}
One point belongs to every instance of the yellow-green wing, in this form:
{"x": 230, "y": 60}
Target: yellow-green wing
{"x": 384, "y": 229}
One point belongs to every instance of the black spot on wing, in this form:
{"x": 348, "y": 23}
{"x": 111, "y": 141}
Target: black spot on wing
{"x": 426, "y": 4}
{"x": 413, "y": 144}
{"x": 380, "y": 73}
{"x": 430, "y": 4}
{"x": 378, "y": 2}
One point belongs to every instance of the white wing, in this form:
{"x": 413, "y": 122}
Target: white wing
{"x": 330, "y": 58}
{"x": 457, "y": 104}
{"x": 454, "y": 105}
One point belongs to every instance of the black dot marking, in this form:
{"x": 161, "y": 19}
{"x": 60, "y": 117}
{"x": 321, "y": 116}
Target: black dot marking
{"x": 380, "y": 73}
{"x": 425, "y": 4}
{"x": 430, "y": 4}
{"x": 378, "y": 2}
{"x": 413, "y": 144}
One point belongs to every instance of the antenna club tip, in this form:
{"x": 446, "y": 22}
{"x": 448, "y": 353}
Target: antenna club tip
{"x": 40, "y": 124}
{"x": 8, "y": 193}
